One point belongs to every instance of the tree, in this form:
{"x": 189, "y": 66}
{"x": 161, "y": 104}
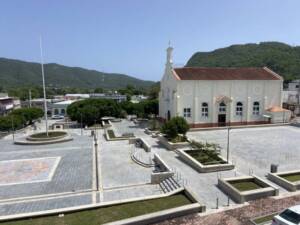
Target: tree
{"x": 177, "y": 125}
{"x": 28, "y": 114}
{"x": 92, "y": 110}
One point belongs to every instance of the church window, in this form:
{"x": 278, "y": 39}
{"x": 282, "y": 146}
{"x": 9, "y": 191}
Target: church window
{"x": 204, "y": 109}
{"x": 239, "y": 109}
{"x": 187, "y": 112}
{"x": 222, "y": 107}
{"x": 256, "y": 108}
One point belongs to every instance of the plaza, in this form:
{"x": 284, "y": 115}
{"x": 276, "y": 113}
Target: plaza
{"x": 76, "y": 173}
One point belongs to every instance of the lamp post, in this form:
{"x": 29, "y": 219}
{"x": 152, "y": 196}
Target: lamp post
{"x": 44, "y": 88}
{"x": 228, "y": 132}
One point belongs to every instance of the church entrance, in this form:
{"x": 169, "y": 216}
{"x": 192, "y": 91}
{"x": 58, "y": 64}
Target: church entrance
{"x": 169, "y": 115}
{"x": 222, "y": 120}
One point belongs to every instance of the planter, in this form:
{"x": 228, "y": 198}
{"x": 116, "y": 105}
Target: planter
{"x": 286, "y": 179}
{"x": 170, "y": 145}
{"x": 162, "y": 170}
{"x": 144, "y": 144}
{"x": 247, "y": 188}
{"x": 115, "y": 138}
{"x": 201, "y": 167}
{"x": 53, "y": 135}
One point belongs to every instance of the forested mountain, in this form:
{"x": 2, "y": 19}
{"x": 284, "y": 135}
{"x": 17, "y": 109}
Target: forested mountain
{"x": 282, "y": 58}
{"x": 16, "y": 73}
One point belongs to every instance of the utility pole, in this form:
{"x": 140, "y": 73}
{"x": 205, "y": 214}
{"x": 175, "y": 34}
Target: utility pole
{"x": 12, "y": 127}
{"x": 81, "y": 123}
{"x": 228, "y": 132}
{"x": 29, "y": 98}
{"x": 44, "y": 88}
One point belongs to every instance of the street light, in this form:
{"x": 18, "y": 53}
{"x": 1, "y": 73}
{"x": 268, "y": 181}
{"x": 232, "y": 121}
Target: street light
{"x": 228, "y": 132}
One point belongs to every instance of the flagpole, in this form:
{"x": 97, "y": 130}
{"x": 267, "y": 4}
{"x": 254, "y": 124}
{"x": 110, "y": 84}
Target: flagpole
{"x": 44, "y": 88}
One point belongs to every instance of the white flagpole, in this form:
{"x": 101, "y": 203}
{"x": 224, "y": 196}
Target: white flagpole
{"x": 44, "y": 88}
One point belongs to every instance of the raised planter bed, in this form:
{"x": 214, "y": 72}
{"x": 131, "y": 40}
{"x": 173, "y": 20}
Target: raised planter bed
{"x": 137, "y": 211}
{"x": 192, "y": 158}
{"x": 247, "y": 188}
{"x": 161, "y": 170}
{"x": 289, "y": 180}
{"x": 110, "y": 136}
{"x": 52, "y": 135}
{"x": 171, "y": 145}
{"x": 143, "y": 143}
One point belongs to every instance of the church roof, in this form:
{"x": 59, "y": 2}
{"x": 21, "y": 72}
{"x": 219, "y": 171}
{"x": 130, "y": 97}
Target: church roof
{"x": 229, "y": 73}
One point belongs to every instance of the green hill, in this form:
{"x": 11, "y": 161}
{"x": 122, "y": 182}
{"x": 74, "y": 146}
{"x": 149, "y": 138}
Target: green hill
{"x": 16, "y": 73}
{"x": 282, "y": 58}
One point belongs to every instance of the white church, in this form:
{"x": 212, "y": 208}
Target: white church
{"x": 208, "y": 97}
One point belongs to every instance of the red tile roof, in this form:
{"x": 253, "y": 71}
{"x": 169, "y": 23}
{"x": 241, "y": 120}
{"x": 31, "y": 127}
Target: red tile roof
{"x": 219, "y": 73}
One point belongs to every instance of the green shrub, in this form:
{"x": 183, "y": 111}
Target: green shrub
{"x": 175, "y": 126}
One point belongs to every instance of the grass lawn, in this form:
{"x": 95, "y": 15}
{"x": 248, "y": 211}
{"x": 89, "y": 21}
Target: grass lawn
{"x": 51, "y": 134}
{"x": 291, "y": 177}
{"x": 206, "y": 157}
{"x": 264, "y": 219}
{"x": 109, "y": 213}
{"x": 245, "y": 185}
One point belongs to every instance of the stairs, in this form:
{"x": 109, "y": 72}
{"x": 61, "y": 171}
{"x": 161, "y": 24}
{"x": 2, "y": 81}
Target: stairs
{"x": 169, "y": 184}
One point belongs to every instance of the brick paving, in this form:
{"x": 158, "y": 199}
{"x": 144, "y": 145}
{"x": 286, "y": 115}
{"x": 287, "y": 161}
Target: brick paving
{"x": 238, "y": 216}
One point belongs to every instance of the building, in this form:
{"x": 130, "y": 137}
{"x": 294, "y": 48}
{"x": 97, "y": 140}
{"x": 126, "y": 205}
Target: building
{"x": 60, "y": 108}
{"x": 76, "y": 96}
{"x": 138, "y": 98}
{"x": 221, "y": 96}
{"x": 291, "y": 97}
{"x": 116, "y": 97}
{"x": 6, "y": 103}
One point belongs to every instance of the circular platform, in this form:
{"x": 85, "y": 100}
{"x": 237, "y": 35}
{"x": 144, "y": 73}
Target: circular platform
{"x": 42, "y": 138}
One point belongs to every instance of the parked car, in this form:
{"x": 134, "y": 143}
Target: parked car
{"x": 290, "y": 216}
{"x": 55, "y": 117}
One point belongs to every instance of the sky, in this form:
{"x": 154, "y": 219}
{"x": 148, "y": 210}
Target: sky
{"x": 131, "y": 36}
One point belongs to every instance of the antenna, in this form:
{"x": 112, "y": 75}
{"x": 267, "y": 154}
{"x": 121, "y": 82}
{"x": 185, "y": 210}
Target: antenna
{"x": 44, "y": 88}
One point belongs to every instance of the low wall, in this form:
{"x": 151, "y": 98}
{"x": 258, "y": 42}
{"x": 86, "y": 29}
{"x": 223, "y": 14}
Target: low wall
{"x": 241, "y": 197}
{"x": 203, "y": 168}
{"x": 156, "y": 178}
{"x": 290, "y": 186}
{"x": 172, "y": 146}
{"x": 143, "y": 219}
{"x": 106, "y": 125}
{"x": 145, "y": 145}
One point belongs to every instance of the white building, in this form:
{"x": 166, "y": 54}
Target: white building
{"x": 60, "y": 108}
{"x": 221, "y": 96}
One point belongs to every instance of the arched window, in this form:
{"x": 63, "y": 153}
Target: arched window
{"x": 62, "y": 111}
{"x": 239, "y": 109}
{"x": 204, "y": 109}
{"x": 222, "y": 107}
{"x": 55, "y": 111}
{"x": 255, "y": 108}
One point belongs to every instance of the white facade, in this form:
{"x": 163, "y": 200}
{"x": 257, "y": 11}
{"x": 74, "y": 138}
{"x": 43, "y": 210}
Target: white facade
{"x": 212, "y": 102}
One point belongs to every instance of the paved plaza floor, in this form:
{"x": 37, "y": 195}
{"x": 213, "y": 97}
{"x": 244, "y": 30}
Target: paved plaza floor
{"x": 34, "y": 178}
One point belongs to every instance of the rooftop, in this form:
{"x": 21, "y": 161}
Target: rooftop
{"x": 219, "y": 73}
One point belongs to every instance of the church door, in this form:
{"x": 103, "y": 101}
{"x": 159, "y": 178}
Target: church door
{"x": 222, "y": 119}
{"x": 169, "y": 115}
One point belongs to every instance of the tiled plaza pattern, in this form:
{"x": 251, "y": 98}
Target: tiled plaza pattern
{"x": 238, "y": 216}
{"x": 27, "y": 170}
